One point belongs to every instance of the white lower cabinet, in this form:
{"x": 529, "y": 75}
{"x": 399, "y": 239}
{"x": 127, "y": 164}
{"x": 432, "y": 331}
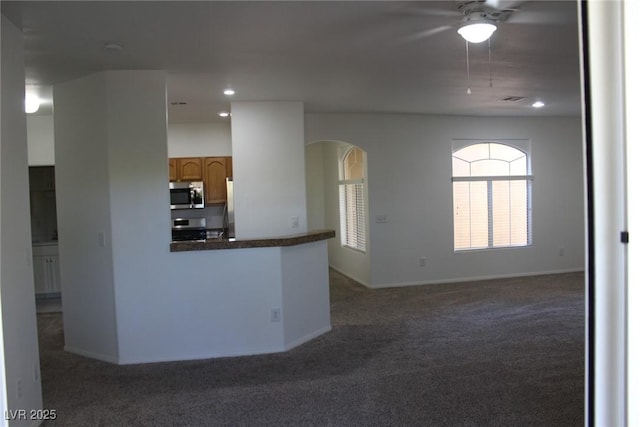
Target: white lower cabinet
{"x": 46, "y": 269}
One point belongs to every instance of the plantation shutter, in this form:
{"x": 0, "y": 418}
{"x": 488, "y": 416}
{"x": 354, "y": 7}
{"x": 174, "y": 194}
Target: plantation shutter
{"x": 352, "y": 203}
{"x": 509, "y": 210}
{"x": 352, "y": 211}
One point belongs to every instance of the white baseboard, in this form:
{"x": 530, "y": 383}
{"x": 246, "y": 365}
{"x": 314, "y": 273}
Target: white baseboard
{"x": 468, "y": 279}
{"x": 92, "y": 355}
{"x": 308, "y": 337}
{"x": 344, "y": 273}
{"x": 200, "y": 356}
{"x": 237, "y": 353}
{"x": 276, "y": 348}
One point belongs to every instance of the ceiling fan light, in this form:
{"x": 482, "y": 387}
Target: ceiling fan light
{"x": 477, "y": 32}
{"x": 31, "y": 103}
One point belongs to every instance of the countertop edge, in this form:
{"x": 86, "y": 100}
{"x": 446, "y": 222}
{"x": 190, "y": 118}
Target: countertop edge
{"x": 45, "y": 243}
{"x": 267, "y": 242}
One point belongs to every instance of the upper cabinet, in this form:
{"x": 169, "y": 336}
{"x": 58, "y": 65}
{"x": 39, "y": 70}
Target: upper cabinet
{"x": 189, "y": 168}
{"x": 216, "y": 170}
{"x": 213, "y": 171}
{"x": 173, "y": 169}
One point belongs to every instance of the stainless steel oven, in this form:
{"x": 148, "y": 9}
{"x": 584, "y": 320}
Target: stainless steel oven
{"x": 188, "y": 229}
{"x": 187, "y": 195}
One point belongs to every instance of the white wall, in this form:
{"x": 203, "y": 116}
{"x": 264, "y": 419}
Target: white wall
{"x": 138, "y": 193}
{"x": 315, "y": 181}
{"x": 20, "y": 363}
{"x": 199, "y": 139}
{"x": 86, "y": 259}
{"x": 200, "y": 304}
{"x": 409, "y": 176}
{"x": 306, "y": 313}
{"x": 40, "y": 139}
{"x": 184, "y": 139}
{"x": 218, "y": 303}
{"x": 632, "y": 130}
{"x": 609, "y": 261}
{"x": 268, "y": 168}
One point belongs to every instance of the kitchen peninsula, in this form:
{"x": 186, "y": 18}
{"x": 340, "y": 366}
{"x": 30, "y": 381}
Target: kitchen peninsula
{"x": 291, "y": 240}
{"x": 265, "y": 295}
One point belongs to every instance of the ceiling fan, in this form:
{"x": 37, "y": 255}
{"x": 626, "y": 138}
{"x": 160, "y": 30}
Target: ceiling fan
{"x": 476, "y": 19}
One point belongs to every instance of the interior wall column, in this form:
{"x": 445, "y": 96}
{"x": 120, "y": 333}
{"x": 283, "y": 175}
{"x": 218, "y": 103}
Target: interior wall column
{"x": 267, "y": 140}
{"x": 608, "y": 259}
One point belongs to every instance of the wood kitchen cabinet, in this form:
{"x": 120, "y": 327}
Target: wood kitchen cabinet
{"x": 216, "y": 170}
{"x": 46, "y": 269}
{"x": 213, "y": 171}
{"x": 185, "y": 169}
{"x": 189, "y": 168}
{"x": 173, "y": 169}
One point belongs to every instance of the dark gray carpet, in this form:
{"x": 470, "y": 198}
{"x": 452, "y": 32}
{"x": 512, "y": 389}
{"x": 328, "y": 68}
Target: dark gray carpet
{"x": 506, "y": 352}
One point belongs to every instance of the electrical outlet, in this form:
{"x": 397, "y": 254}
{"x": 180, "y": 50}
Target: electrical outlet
{"x": 423, "y": 262}
{"x": 19, "y": 388}
{"x": 295, "y": 222}
{"x": 561, "y": 251}
{"x": 275, "y": 315}
{"x": 381, "y": 219}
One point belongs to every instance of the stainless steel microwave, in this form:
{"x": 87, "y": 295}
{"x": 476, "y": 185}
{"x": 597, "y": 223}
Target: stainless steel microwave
{"x": 187, "y": 195}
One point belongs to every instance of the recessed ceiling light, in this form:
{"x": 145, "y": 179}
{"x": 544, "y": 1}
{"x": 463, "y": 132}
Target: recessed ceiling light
{"x": 229, "y": 92}
{"x": 538, "y": 104}
{"x": 31, "y": 103}
{"x": 113, "y": 46}
{"x": 223, "y": 114}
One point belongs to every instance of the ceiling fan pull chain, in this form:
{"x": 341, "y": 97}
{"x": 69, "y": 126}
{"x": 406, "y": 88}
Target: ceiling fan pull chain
{"x": 490, "y": 66}
{"x": 468, "y": 75}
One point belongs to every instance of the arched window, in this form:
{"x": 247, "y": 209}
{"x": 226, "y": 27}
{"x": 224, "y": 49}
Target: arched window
{"x": 491, "y": 196}
{"x": 352, "y": 203}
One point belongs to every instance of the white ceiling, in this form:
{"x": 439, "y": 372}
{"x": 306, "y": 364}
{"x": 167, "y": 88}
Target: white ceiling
{"x": 335, "y": 56}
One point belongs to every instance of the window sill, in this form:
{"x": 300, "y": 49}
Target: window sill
{"x": 497, "y": 248}
{"x": 354, "y": 249}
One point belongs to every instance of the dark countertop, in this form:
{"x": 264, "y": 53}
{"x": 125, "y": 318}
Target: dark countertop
{"x": 267, "y": 242}
{"x": 44, "y": 243}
